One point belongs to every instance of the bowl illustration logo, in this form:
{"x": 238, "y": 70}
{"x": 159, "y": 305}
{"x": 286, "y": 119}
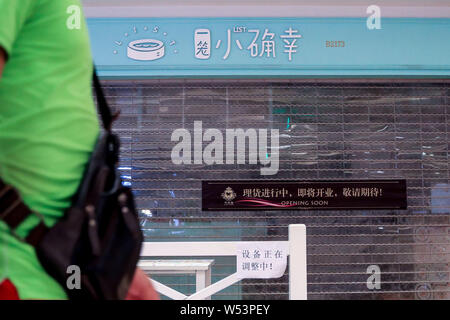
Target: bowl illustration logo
{"x": 145, "y": 49}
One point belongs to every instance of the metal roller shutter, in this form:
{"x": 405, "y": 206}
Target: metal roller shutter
{"x": 341, "y": 129}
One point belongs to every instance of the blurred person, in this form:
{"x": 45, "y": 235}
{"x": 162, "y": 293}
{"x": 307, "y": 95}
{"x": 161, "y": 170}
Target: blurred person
{"x": 48, "y": 129}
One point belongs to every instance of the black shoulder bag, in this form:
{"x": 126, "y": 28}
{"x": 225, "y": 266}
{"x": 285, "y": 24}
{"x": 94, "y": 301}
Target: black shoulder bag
{"x": 99, "y": 235}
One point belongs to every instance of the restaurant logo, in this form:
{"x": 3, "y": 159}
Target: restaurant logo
{"x": 228, "y": 195}
{"x": 202, "y": 42}
{"x": 145, "y": 43}
{"x": 145, "y": 49}
{"x": 150, "y": 43}
{"x": 260, "y": 43}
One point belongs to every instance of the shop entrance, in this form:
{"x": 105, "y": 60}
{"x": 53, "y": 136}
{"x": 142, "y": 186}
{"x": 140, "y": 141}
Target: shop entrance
{"x": 328, "y": 130}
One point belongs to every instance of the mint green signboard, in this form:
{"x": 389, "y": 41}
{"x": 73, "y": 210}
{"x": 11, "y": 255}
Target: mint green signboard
{"x": 270, "y": 47}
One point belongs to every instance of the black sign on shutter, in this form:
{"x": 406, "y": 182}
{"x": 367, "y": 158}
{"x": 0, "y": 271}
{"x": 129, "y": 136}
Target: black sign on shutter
{"x": 303, "y": 195}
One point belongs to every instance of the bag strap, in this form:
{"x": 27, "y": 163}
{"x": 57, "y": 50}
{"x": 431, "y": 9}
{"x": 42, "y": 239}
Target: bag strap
{"x": 13, "y": 210}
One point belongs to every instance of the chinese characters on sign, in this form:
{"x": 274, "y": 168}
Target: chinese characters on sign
{"x": 262, "y": 43}
{"x": 373, "y": 192}
{"x": 313, "y": 195}
{"x": 261, "y": 260}
{"x": 202, "y": 40}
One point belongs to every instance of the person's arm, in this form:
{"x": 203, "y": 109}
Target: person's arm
{"x": 141, "y": 288}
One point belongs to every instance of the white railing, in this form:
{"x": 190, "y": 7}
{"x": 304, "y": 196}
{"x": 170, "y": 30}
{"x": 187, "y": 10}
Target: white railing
{"x": 200, "y": 268}
{"x": 295, "y": 248}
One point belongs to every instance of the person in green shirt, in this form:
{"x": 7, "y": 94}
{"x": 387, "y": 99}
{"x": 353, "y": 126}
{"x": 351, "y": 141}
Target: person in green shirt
{"x": 48, "y": 127}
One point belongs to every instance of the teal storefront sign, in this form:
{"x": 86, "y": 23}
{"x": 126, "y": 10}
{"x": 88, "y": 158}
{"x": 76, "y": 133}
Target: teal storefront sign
{"x": 270, "y": 47}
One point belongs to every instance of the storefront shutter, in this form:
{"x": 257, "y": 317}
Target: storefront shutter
{"x": 330, "y": 130}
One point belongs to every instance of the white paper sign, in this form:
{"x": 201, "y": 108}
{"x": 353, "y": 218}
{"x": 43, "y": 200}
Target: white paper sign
{"x": 261, "y": 260}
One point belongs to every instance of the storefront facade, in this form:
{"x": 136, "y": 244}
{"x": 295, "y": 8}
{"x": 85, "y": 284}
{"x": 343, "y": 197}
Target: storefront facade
{"x": 348, "y": 102}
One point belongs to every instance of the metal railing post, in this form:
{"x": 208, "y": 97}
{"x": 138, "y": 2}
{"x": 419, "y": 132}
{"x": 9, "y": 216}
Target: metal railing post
{"x": 297, "y": 262}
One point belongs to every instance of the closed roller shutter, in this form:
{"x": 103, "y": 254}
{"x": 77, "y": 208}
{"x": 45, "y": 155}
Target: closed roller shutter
{"x": 329, "y": 130}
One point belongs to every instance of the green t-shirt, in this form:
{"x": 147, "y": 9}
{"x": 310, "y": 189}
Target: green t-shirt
{"x": 48, "y": 123}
